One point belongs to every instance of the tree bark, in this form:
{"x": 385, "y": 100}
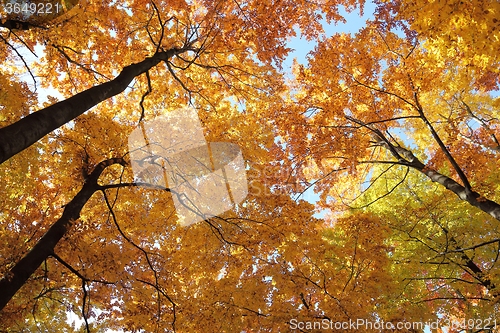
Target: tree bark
{"x": 406, "y": 157}
{"x": 475, "y": 199}
{"x": 25, "y": 132}
{"x": 21, "y": 272}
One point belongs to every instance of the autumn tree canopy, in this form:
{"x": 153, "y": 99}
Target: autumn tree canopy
{"x": 394, "y": 127}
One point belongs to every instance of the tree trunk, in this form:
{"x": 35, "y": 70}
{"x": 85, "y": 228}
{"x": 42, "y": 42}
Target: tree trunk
{"x": 25, "y": 132}
{"x": 21, "y": 272}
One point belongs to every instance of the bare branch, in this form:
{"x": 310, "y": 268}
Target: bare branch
{"x": 22, "y": 59}
{"x": 141, "y": 103}
{"x": 445, "y": 150}
{"x": 68, "y": 58}
{"x": 483, "y": 124}
{"x": 385, "y": 194}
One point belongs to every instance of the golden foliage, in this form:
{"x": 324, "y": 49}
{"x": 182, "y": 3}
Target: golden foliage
{"x": 377, "y": 124}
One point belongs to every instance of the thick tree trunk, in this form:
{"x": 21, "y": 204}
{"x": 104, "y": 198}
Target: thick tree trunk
{"x": 406, "y": 157}
{"x": 21, "y": 272}
{"x": 25, "y": 132}
{"x": 473, "y": 198}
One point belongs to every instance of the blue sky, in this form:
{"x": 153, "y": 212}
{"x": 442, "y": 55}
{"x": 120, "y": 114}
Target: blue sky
{"x": 354, "y": 23}
{"x": 300, "y": 46}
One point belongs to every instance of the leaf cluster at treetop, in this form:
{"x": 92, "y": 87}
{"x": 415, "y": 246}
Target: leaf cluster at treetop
{"x": 395, "y": 129}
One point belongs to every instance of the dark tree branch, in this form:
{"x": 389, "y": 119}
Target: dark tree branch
{"x": 146, "y": 253}
{"x": 445, "y": 150}
{"x": 484, "y": 124}
{"x": 465, "y": 262}
{"x": 380, "y": 90}
{"x": 20, "y": 273}
{"x": 25, "y": 132}
{"x": 70, "y": 60}
{"x": 475, "y": 199}
{"x": 141, "y": 103}
{"x": 473, "y": 247}
{"x": 85, "y": 305}
{"x": 407, "y": 158}
{"x": 77, "y": 273}
{"x": 385, "y": 194}
{"x": 19, "y": 25}
{"x": 22, "y": 58}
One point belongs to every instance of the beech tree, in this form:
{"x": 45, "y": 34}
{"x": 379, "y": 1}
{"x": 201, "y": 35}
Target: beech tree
{"x": 400, "y": 128}
{"x": 395, "y": 128}
{"x": 79, "y": 235}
